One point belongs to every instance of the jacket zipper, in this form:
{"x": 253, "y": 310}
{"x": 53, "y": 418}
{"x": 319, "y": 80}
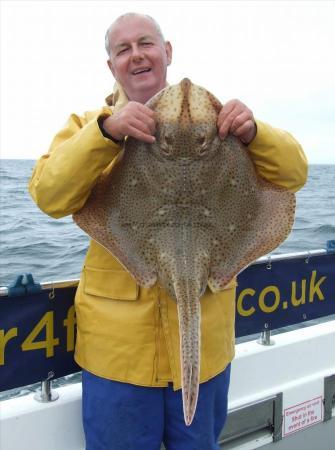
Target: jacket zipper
{"x": 158, "y": 335}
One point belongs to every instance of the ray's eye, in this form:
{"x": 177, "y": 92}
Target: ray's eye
{"x": 166, "y": 145}
{"x": 202, "y": 142}
{"x": 201, "y": 139}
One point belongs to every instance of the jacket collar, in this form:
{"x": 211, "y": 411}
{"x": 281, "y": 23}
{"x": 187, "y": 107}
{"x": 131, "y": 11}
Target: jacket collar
{"x": 118, "y": 99}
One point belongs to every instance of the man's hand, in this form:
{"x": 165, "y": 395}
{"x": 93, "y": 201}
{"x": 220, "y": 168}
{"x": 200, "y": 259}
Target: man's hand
{"x": 237, "y": 119}
{"x": 134, "y": 120}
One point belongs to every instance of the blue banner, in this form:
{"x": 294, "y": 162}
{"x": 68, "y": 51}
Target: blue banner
{"x": 285, "y": 292}
{"x": 37, "y": 331}
{"x": 37, "y": 336}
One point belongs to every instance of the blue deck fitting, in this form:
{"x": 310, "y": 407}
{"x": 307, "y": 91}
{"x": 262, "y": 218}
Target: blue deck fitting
{"x": 330, "y": 247}
{"x": 17, "y": 288}
{"x": 31, "y": 286}
{"x": 24, "y": 284}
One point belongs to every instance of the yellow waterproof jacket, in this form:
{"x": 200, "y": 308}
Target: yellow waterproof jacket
{"x": 125, "y": 332}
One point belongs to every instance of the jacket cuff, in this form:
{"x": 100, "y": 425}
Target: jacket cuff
{"x": 101, "y": 119}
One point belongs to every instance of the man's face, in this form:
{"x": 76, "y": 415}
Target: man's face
{"x": 138, "y": 57}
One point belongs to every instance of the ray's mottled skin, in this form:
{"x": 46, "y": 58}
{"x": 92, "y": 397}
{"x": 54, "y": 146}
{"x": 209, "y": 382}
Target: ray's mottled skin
{"x": 187, "y": 211}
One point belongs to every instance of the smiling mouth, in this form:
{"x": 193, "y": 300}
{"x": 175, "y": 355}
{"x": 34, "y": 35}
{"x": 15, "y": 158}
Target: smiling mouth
{"x": 139, "y": 71}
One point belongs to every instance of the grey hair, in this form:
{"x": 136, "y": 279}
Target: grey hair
{"x": 131, "y": 14}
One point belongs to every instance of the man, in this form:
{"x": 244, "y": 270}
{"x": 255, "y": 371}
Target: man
{"x": 127, "y": 340}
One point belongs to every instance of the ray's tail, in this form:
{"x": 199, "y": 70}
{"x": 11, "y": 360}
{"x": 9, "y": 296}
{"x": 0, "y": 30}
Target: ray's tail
{"x": 188, "y": 303}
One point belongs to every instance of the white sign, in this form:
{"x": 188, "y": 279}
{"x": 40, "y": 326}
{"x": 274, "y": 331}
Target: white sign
{"x": 301, "y": 416}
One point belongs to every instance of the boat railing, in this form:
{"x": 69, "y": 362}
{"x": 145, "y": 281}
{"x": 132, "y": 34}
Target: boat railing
{"x": 4, "y": 290}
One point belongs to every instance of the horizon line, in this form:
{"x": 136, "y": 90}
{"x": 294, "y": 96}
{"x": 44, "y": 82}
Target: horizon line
{"x": 36, "y": 159}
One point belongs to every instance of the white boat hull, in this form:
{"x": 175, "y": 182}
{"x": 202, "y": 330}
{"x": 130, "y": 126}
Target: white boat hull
{"x": 295, "y": 367}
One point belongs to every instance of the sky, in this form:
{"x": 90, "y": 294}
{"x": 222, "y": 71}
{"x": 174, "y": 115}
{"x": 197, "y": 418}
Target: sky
{"x": 277, "y": 57}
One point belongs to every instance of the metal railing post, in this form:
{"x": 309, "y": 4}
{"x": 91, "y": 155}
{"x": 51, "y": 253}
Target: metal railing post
{"x": 45, "y": 394}
{"x": 265, "y": 338}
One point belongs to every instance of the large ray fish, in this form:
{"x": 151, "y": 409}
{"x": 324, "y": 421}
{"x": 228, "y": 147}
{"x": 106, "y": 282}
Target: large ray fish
{"x": 186, "y": 211}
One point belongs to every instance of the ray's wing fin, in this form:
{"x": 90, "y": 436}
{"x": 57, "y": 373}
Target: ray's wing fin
{"x": 123, "y": 243}
{"x": 257, "y": 217}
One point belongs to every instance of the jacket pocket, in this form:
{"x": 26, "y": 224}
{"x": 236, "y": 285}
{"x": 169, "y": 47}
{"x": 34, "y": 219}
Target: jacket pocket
{"x": 110, "y": 283}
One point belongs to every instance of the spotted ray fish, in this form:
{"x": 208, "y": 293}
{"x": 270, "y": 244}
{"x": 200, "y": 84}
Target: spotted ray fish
{"x": 186, "y": 211}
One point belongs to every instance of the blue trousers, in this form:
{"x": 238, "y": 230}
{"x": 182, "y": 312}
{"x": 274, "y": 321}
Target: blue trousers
{"x": 121, "y": 416}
